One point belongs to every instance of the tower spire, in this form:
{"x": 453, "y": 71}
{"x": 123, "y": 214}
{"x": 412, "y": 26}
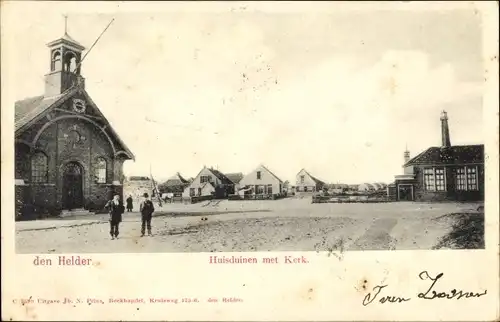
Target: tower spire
{"x": 406, "y": 154}
{"x": 65, "y": 24}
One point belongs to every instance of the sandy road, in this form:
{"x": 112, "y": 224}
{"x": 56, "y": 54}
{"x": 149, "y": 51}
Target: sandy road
{"x": 284, "y": 225}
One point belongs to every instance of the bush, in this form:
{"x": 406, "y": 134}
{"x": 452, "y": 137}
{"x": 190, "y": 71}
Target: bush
{"x": 467, "y": 232}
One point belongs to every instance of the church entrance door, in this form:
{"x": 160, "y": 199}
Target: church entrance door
{"x": 72, "y": 186}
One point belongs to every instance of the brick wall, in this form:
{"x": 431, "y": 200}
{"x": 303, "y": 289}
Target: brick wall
{"x": 56, "y": 142}
{"x": 451, "y": 194}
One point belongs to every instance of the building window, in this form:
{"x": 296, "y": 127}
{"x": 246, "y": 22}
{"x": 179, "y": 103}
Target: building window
{"x": 269, "y": 189}
{"x": 204, "y": 179}
{"x": 191, "y": 192}
{"x": 259, "y": 175}
{"x": 39, "y": 168}
{"x": 302, "y": 179}
{"x": 100, "y": 170}
{"x": 260, "y": 190}
{"x": 429, "y": 181}
{"x": 305, "y": 189}
{"x": 440, "y": 181}
{"x": 56, "y": 61}
{"x": 466, "y": 179}
{"x": 471, "y": 178}
{"x": 435, "y": 179}
{"x": 460, "y": 179}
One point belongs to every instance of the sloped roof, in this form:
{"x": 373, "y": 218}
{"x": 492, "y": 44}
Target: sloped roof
{"x": 316, "y": 180}
{"x": 67, "y": 39}
{"x": 220, "y": 176}
{"x": 456, "y": 154}
{"x": 235, "y": 177}
{"x": 29, "y": 110}
{"x": 264, "y": 167}
{"x": 175, "y": 180}
{"x": 70, "y": 39}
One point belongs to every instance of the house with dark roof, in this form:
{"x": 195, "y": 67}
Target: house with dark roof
{"x": 209, "y": 181}
{"x": 174, "y": 185}
{"x": 305, "y": 182}
{"x": 261, "y": 183}
{"x": 67, "y": 154}
{"x": 439, "y": 173}
{"x": 235, "y": 178}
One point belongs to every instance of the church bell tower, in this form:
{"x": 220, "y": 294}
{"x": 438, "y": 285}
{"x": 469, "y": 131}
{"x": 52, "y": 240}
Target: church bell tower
{"x": 65, "y": 68}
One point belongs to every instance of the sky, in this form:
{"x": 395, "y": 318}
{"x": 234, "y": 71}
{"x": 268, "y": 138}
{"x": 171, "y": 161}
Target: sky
{"x": 339, "y": 93}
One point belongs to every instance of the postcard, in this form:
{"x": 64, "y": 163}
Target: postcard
{"x": 249, "y": 161}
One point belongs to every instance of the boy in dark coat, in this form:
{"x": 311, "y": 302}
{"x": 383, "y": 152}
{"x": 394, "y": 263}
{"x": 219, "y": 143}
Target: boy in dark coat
{"x": 116, "y": 209}
{"x": 147, "y": 208}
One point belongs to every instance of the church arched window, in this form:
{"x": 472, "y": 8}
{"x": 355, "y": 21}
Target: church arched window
{"x": 56, "y": 61}
{"x": 39, "y": 168}
{"x": 100, "y": 170}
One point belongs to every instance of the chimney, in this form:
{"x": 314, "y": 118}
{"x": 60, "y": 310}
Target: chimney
{"x": 445, "y": 131}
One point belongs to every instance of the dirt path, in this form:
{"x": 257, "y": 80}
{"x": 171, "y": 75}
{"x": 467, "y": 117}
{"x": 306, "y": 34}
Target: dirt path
{"x": 240, "y": 228}
{"x": 378, "y": 236}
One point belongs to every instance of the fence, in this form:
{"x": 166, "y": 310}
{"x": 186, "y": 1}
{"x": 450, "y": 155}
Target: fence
{"x": 256, "y": 197}
{"x": 349, "y": 199}
{"x": 197, "y": 199}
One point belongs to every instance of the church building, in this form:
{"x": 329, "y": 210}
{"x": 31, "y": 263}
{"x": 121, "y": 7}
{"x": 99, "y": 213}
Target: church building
{"x": 442, "y": 173}
{"x": 67, "y": 155}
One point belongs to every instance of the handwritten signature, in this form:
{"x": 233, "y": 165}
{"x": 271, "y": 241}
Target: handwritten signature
{"x": 430, "y": 294}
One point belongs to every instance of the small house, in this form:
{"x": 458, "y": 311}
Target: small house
{"x": 261, "y": 183}
{"x": 174, "y": 185}
{"x": 305, "y": 182}
{"x": 209, "y": 182}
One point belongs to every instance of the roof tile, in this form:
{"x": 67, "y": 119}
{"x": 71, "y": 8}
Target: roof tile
{"x": 456, "y": 154}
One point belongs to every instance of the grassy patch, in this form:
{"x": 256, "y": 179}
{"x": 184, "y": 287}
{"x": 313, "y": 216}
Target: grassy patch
{"x": 467, "y": 231}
